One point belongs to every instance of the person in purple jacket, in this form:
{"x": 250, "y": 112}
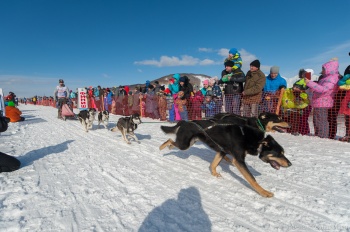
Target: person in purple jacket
{"x": 323, "y": 96}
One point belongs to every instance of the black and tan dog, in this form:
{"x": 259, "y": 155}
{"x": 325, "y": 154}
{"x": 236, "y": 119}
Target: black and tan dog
{"x": 127, "y": 126}
{"x": 86, "y": 118}
{"x": 103, "y": 117}
{"x": 232, "y": 139}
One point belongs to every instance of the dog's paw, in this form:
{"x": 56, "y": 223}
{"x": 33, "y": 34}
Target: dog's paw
{"x": 266, "y": 193}
{"x": 170, "y": 146}
{"x": 216, "y": 174}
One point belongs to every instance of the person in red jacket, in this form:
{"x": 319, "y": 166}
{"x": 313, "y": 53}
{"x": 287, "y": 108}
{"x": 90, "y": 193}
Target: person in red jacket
{"x": 13, "y": 113}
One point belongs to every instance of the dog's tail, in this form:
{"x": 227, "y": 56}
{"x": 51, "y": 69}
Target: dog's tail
{"x": 171, "y": 129}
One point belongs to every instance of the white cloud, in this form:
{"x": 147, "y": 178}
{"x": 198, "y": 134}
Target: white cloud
{"x": 340, "y": 50}
{"x": 205, "y": 49}
{"x": 207, "y": 62}
{"x": 105, "y": 75}
{"x": 186, "y": 60}
{"x": 223, "y": 52}
{"x": 166, "y": 61}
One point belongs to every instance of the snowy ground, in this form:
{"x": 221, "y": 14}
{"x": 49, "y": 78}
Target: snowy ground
{"x": 71, "y": 180}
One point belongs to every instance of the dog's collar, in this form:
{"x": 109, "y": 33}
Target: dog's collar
{"x": 261, "y": 127}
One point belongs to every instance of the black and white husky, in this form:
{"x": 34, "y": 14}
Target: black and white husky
{"x": 127, "y": 126}
{"x": 87, "y": 117}
{"x": 103, "y": 117}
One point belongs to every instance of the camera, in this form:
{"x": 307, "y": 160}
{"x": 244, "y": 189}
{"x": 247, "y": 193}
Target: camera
{"x": 235, "y": 86}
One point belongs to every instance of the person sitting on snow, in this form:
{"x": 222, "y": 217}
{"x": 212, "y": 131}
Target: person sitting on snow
{"x": 13, "y": 113}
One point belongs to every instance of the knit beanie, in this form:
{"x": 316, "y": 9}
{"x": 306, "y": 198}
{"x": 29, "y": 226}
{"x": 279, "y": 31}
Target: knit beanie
{"x": 255, "y": 63}
{"x": 206, "y": 82}
{"x": 182, "y": 79}
{"x": 233, "y": 51}
{"x": 229, "y": 63}
{"x": 275, "y": 69}
{"x": 196, "y": 87}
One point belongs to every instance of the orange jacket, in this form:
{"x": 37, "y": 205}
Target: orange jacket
{"x": 13, "y": 113}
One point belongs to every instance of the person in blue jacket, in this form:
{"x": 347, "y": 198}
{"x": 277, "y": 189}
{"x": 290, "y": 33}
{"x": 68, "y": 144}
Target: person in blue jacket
{"x": 274, "y": 83}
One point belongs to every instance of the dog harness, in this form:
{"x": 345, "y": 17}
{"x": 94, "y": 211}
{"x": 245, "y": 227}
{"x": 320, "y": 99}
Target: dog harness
{"x": 215, "y": 124}
{"x": 258, "y": 123}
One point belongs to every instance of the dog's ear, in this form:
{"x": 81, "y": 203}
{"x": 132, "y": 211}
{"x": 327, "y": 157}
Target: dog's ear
{"x": 262, "y": 116}
{"x": 267, "y": 141}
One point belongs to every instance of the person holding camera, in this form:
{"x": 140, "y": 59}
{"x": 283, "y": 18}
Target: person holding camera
{"x": 253, "y": 88}
{"x": 323, "y": 93}
{"x": 232, "y": 80}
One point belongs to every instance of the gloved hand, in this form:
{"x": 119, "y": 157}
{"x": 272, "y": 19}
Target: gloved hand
{"x": 226, "y": 78}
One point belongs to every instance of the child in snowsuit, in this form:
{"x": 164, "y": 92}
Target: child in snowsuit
{"x": 209, "y": 105}
{"x": 181, "y": 102}
{"x": 235, "y": 57}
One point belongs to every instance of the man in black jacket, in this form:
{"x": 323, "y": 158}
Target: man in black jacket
{"x": 233, "y": 87}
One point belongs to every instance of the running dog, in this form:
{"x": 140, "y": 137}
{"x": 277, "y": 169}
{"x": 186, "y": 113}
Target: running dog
{"x": 127, "y": 126}
{"x": 86, "y": 118}
{"x": 235, "y": 140}
{"x": 103, "y": 117}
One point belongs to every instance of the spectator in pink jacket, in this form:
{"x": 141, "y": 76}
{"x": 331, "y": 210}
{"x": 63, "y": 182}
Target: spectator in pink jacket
{"x": 323, "y": 96}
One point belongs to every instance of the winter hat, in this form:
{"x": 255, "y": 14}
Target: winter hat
{"x": 233, "y": 51}
{"x": 11, "y": 103}
{"x": 206, "y": 82}
{"x": 171, "y": 80}
{"x": 167, "y": 91}
{"x": 255, "y": 63}
{"x": 196, "y": 87}
{"x": 274, "y": 69}
{"x": 176, "y": 76}
{"x": 229, "y": 63}
{"x": 182, "y": 79}
{"x": 213, "y": 80}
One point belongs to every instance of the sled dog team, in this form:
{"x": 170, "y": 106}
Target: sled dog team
{"x": 226, "y": 134}
{"x": 126, "y": 125}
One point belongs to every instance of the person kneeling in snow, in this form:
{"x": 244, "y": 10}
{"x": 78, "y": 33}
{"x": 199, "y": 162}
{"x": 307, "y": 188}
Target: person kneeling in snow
{"x": 13, "y": 113}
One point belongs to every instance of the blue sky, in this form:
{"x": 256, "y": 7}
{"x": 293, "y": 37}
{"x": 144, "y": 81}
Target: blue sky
{"x": 112, "y": 43}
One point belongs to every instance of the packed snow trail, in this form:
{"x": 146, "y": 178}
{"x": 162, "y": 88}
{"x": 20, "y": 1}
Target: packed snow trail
{"x": 71, "y": 180}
